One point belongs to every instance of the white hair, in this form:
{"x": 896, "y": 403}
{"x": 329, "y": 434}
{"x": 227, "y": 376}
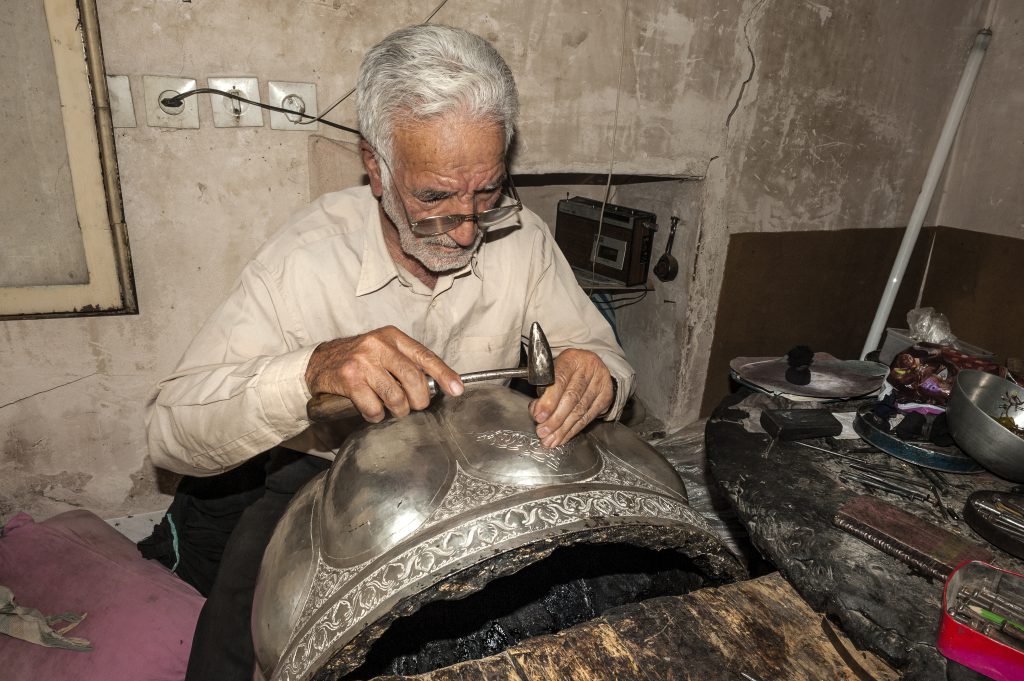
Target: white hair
{"x": 428, "y": 71}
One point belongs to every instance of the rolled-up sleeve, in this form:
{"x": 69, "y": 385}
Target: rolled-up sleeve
{"x": 570, "y": 319}
{"x": 238, "y": 390}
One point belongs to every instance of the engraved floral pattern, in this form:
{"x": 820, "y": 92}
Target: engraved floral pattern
{"x": 327, "y": 581}
{"x": 530, "y": 519}
{"x": 526, "y": 444}
{"x": 618, "y": 474}
{"x": 469, "y": 492}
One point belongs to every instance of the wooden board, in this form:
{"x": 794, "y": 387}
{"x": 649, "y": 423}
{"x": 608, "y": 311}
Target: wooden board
{"x": 759, "y": 627}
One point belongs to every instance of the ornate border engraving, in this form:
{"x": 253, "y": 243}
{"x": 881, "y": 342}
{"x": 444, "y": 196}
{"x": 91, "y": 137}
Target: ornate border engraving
{"x": 468, "y": 492}
{"x": 333, "y": 627}
{"x": 327, "y": 581}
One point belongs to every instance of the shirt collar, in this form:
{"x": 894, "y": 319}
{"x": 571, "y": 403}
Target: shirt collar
{"x": 377, "y": 266}
{"x": 474, "y": 263}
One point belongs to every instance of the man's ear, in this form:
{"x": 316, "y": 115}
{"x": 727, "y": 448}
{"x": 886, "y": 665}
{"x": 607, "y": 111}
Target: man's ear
{"x": 372, "y": 167}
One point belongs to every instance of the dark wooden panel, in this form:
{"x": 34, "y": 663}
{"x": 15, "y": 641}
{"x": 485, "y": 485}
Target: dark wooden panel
{"x": 977, "y": 281}
{"x": 820, "y": 289}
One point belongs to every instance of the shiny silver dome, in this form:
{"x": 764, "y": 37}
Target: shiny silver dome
{"x": 437, "y": 503}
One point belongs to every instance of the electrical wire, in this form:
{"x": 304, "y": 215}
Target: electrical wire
{"x": 620, "y": 303}
{"x": 615, "y": 129}
{"x": 177, "y": 100}
{"x": 349, "y": 93}
{"x": 436, "y": 10}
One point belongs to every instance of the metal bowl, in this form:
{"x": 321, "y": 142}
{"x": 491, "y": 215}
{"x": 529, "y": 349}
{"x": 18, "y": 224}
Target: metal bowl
{"x": 975, "y": 401}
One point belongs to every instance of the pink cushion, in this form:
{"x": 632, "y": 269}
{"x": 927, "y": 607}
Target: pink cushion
{"x": 140, "y": 616}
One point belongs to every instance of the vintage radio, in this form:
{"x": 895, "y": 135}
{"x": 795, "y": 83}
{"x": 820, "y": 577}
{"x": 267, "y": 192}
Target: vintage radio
{"x": 622, "y": 250}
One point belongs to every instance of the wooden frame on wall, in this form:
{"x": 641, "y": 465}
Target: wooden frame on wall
{"x": 85, "y": 112}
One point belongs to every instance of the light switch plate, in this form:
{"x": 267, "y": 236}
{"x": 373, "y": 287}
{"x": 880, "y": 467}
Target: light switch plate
{"x": 122, "y": 110}
{"x": 294, "y": 96}
{"x": 230, "y": 113}
{"x": 158, "y": 87}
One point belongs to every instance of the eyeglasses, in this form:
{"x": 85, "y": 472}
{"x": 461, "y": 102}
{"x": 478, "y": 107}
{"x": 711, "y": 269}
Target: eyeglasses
{"x": 441, "y": 224}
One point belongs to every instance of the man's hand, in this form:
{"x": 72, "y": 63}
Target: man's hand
{"x": 582, "y": 391}
{"x": 380, "y": 369}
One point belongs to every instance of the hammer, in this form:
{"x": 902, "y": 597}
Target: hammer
{"x": 539, "y": 371}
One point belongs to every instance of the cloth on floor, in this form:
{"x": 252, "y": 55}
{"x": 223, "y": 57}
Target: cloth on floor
{"x": 28, "y": 624}
{"x": 141, "y": 617}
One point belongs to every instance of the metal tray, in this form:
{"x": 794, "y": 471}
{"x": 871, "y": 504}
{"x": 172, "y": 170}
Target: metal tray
{"x": 948, "y": 459}
{"x": 831, "y": 378}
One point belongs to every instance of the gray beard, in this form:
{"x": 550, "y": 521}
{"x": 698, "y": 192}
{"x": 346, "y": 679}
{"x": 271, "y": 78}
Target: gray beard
{"x": 426, "y": 249}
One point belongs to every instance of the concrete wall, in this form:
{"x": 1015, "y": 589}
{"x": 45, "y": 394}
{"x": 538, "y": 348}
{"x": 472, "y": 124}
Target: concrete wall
{"x": 982, "y": 189}
{"x": 834, "y": 128}
{"x": 797, "y": 115}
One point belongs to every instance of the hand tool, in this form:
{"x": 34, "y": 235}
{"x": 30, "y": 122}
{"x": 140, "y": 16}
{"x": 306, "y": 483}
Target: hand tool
{"x": 881, "y": 470}
{"x": 948, "y": 512}
{"x": 998, "y": 603}
{"x": 877, "y": 482}
{"x": 884, "y": 472}
{"x": 923, "y": 545}
{"x": 539, "y": 371}
{"x": 667, "y": 268}
{"x": 1001, "y": 517}
{"x": 983, "y": 611}
{"x": 935, "y": 478}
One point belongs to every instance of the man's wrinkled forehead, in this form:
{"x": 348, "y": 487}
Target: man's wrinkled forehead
{"x": 449, "y": 143}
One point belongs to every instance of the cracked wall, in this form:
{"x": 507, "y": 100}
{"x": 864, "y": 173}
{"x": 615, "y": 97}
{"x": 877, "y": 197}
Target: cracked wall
{"x": 758, "y": 114}
{"x": 199, "y": 202}
{"x": 834, "y": 131}
{"x": 982, "y": 187}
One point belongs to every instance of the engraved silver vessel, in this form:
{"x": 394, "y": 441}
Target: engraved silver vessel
{"x": 436, "y": 504}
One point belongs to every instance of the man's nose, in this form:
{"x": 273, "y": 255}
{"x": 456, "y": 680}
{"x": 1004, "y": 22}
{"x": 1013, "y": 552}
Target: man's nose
{"x": 465, "y": 233}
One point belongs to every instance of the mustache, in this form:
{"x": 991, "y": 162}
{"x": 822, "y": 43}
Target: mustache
{"x": 441, "y": 240}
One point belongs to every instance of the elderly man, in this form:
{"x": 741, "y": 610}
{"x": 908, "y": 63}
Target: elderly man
{"x": 434, "y": 269}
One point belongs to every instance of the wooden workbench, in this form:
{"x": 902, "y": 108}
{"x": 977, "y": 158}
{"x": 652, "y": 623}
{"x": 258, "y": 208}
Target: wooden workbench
{"x": 786, "y": 496}
{"x": 758, "y": 630}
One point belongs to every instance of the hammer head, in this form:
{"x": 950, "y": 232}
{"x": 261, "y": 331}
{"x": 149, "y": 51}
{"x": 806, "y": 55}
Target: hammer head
{"x": 540, "y": 367}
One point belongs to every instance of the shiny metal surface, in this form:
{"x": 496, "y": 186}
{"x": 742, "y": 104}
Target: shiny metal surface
{"x": 539, "y": 360}
{"x": 831, "y": 378}
{"x": 974, "y": 402}
{"x": 412, "y": 502}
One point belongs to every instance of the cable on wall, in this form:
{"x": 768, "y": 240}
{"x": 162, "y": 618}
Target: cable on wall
{"x": 176, "y": 100}
{"x": 611, "y": 162}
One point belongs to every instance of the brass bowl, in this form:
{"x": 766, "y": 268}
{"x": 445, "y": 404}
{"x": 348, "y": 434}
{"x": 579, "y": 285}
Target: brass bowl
{"x": 975, "y": 401}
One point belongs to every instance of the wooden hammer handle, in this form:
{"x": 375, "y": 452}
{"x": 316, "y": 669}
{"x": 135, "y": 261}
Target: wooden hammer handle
{"x": 326, "y": 407}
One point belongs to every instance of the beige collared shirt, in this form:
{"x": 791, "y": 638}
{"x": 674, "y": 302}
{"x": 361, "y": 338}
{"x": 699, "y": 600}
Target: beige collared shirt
{"x": 240, "y": 387}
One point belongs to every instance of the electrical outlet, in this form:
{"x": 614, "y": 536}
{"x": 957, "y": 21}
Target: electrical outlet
{"x": 231, "y": 113}
{"x": 122, "y": 111}
{"x": 300, "y": 97}
{"x": 159, "y": 115}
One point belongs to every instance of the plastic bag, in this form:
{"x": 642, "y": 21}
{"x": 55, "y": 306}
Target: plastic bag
{"x": 930, "y": 326}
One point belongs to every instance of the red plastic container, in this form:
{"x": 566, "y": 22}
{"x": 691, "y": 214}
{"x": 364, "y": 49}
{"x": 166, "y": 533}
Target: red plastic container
{"x": 968, "y": 646}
